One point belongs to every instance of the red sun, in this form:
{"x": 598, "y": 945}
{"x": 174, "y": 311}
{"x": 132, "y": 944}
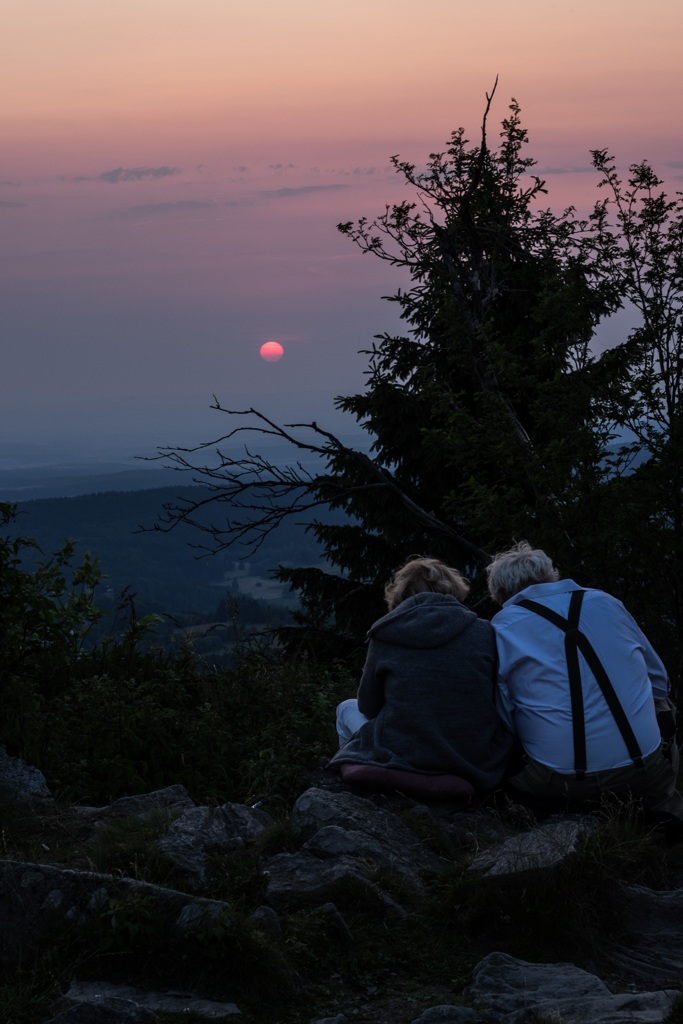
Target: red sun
{"x": 271, "y": 351}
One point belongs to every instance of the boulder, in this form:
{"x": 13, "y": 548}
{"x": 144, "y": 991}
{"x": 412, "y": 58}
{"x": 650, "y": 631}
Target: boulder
{"x": 544, "y": 847}
{"x": 20, "y": 782}
{"x": 515, "y": 992}
{"x": 654, "y": 953}
{"x": 393, "y": 846}
{"x": 190, "y": 838}
{"x": 107, "y": 1010}
{"x": 92, "y": 995}
{"x": 172, "y": 798}
{"x": 299, "y": 880}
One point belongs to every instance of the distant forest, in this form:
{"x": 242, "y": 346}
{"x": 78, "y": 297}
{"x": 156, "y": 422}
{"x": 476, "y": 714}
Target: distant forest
{"x": 162, "y": 572}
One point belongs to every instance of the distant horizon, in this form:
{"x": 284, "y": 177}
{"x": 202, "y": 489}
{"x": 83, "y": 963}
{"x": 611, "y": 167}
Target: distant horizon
{"x": 135, "y": 427}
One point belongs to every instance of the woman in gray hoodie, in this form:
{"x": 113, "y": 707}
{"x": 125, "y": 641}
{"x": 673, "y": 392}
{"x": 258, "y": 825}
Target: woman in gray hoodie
{"x": 425, "y": 701}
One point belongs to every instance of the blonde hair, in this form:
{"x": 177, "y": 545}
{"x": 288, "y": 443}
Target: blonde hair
{"x": 513, "y": 570}
{"x": 424, "y": 575}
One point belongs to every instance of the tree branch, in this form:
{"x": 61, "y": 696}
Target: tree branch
{"x": 268, "y": 493}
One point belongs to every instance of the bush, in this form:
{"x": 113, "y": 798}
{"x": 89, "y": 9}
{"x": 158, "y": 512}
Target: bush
{"x": 117, "y": 717}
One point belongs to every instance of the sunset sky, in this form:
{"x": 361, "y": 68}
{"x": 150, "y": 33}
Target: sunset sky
{"x": 171, "y": 174}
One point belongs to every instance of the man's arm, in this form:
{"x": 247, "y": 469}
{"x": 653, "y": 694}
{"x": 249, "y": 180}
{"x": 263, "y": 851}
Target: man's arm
{"x": 504, "y": 705}
{"x": 657, "y": 674}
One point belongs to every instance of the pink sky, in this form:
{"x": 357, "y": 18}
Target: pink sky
{"x": 171, "y": 175}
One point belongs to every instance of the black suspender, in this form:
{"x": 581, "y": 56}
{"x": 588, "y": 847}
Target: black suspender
{"x": 575, "y": 641}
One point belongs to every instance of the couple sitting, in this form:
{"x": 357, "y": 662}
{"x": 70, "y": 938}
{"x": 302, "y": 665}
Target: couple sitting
{"x": 562, "y": 672}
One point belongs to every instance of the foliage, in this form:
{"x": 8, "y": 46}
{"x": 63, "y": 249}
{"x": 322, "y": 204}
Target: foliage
{"x": 637, "y": 242}
{"x": 50, "y": 607}
{"x": 46, "y": 616}
{"x": 127, "y": 846}
{"x": 245, "y": 734}
{"x": 122, "y": 717}
{"x": 485, "y": 411}
{"x": 27, "y": 997}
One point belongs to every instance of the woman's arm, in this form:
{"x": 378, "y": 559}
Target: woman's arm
{"x": 371, "y": 686}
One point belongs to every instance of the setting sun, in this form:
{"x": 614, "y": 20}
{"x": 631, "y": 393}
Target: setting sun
{"x": 271, "y": 351}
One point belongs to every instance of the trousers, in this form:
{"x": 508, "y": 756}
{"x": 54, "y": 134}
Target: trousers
{"x": 349, "y": 720}
{"x": 654, "y": 783}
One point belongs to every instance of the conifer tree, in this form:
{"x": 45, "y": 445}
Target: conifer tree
{"x": 490, "y": 418}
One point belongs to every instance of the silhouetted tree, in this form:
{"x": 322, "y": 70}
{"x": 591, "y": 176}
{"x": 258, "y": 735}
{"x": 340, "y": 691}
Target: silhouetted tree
{"x": 490, "y": 418}
{"x": 636, "y": 243}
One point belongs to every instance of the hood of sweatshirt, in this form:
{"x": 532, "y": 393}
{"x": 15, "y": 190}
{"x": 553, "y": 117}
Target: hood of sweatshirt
{"x": 423, "y": 621}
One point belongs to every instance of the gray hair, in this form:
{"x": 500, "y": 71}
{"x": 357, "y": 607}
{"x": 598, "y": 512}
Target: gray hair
{"x": 520, "y": 567}
{"x": 423, "y": 575}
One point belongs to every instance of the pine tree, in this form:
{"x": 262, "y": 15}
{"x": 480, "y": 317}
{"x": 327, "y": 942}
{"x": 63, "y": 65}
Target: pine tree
{"x": 482, "y": 417}
{"x": 489, "y": 419}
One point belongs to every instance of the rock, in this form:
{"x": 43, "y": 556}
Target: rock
{"x": 333, "y": 841}
{"x": 469, "y": 828}
{"x": 299, "y": 880}
{"x": 188, "y": 840}
{"x": 449, "y": 1015}
{"x": 655, "y": 950}
{"x": 547, "y": 845}
{"x": 92, "y": 994}
{"x": 267, "y": 921}
{"x": 41, "y": 904}
{"x": 514, "y": 992}
{"x": 347, "y": 841}
{"x": 397, "y": 848}
{"x": 107, "y": 1010}
{"x": 21, "y": 782}
{"x": 172, "y": 798}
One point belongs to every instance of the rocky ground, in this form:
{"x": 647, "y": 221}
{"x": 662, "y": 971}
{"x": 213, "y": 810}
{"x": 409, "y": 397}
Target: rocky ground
{"x": 343, "y": 848}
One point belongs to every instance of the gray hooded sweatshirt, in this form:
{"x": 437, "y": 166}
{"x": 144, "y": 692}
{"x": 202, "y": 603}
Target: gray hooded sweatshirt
{"x": 428, "y": 689}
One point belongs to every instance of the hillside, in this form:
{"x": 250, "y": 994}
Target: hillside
{"x": 166, "y": 571}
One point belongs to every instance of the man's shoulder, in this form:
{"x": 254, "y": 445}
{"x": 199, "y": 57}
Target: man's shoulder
{"x": 553, "y": 595}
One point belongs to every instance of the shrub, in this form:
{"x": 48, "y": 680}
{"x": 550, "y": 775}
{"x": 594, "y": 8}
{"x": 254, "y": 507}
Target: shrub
{"x": 118, "y": 716}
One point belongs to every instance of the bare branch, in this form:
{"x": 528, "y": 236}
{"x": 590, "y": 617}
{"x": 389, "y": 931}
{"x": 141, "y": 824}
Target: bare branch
{"x": 268, "y": 493}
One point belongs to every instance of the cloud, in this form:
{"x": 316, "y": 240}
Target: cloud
{"x": 9, "y": 204}
{"x": 119, "y": 174}
{"x": 163, "y": 209}
{"x": 302, "y": 190}
{"x": 136, "y": 174}
{"x": 281, "y": 167}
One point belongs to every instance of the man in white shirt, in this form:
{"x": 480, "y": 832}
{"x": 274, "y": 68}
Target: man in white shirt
{"x": 580, "y": 686}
